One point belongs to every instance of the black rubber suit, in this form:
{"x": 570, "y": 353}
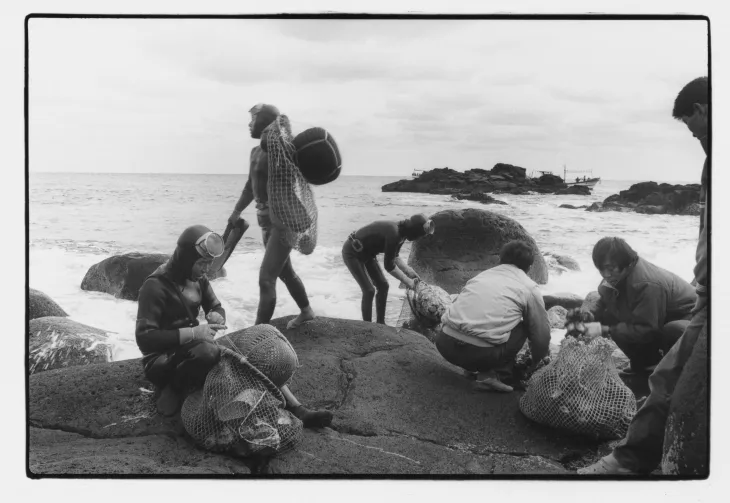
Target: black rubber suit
{"x": 161, "y": 313}
{"x": 360, "y": 253}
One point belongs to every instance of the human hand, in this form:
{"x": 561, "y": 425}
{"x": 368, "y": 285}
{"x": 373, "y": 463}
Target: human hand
{"x": 700, "y": 304}
{"x": 234, "y": 217}
{"x": 206, "y": 332}
{"x": 410, "y": 283}
{"x": 592, "y": 330}
{"x": 215, "y": 318}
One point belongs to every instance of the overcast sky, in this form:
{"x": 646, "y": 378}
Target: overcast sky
{"x": 150, "y": 95}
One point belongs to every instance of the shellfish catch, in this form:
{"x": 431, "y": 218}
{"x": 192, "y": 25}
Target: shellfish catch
{"x": 428, "y": 303}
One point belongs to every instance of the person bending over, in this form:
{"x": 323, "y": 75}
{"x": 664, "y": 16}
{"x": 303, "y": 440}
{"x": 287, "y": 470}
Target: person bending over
{"x": 488, "y": 322}
{"x": 360, "y": 253}
{"x": 642, "y": 307}
{"x": 277, "y": 261}
{"x": 178, "y": 352}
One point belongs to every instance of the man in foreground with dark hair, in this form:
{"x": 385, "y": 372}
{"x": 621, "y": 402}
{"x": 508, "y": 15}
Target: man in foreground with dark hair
{"x": 495, "y": 312}
{"x": 642, "y": 449}
{"x": 642, "y": 307}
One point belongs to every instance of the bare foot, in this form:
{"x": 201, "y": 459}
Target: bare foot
{"x": 306, "y": 315}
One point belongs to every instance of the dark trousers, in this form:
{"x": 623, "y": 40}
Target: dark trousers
{"x": 473, "y": 358}
{"x": 655, "y": 345}
{"x": 369, "y": 276}
{"x": 641, "y": 450}
{"x": 184, "y": 368}
{"x": 276, "y": 264}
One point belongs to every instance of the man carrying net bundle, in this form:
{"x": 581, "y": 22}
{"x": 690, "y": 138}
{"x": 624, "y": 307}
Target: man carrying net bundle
{"x": 496, "y": 311}
{"x": 642, "y": 307}
{"x": 641, "y": 450}
{"x": 284, "y": 207}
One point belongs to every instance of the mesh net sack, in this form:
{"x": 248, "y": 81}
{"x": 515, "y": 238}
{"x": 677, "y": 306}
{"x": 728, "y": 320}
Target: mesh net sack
{"x": 580, "y": 391}
{"x": 266, "y": 349}
{"x": 427, "y": 303}
{"x": 240, "y": 411}
{"x": 291, "y": 200}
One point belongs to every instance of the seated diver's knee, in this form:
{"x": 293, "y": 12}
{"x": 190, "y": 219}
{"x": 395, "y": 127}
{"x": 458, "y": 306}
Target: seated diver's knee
{"x": 207, "y": 352}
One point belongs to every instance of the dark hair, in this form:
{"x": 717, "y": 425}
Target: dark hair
{"x": 697, "y": 91}
{"x": 517, "y": 253}
{"x": 412, "y": 228}
{"x": 615, "y": 249}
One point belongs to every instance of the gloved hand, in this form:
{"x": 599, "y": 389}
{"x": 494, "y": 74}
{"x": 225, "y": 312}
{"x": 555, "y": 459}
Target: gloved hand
{"x": 700, "y": 304}
{"x": 215, "y": 318}
{"x": 200, "y": 333}
{"x": 234, "y": 217}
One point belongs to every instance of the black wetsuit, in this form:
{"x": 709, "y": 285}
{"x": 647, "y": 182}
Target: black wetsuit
{"x": 360, "y": 253}
{"x": 160, "y": 315}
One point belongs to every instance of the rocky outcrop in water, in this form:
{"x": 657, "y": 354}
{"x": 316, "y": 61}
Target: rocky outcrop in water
{"x": 502, "y": 178}
{"x": 123, "y": 275}
{"x": 40, "y": 305}
{"x": 653, "y": 199}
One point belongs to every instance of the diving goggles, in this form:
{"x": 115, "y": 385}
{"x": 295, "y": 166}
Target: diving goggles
{"x": 210, "y": 244}
{"x": 429, "y": 227}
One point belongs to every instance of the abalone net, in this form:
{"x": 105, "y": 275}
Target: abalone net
{"x": 240, "y": 411}
{"x": 291, "y": 200}
{"x": 580, "y": 391}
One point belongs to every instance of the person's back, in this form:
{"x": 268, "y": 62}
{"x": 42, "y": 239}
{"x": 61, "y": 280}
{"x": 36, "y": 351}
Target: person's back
{"x": 491, "y": 304}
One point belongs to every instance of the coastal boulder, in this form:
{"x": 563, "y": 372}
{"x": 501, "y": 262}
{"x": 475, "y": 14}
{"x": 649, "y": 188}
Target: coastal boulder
{"x": 465, "y": 243}
{"x": 686, "y": 443}
{"x": 40, "y": 305}
{"x": 550, "y": 179}
{"x": 574, "y": 190}
{"x": 566, "y": 300}
{"x": 478, "y": 196}
{"x": 56, "y": 342}
{"x": 652, "y": 198}
{"x": 561, "y": 263}
{"x": 399, "y": 408}
{"x": 508, "y": 169}
{"x": 123, "y": 275}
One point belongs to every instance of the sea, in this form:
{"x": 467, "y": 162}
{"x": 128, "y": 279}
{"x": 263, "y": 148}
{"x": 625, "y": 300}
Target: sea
{"x": 79, "y": 219}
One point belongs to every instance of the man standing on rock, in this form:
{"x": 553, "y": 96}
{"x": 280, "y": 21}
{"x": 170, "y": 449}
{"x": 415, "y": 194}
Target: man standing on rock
{"x": 641, "y": 451}
{"x": 276, "y": 262}
{"x": 496, "y": 311}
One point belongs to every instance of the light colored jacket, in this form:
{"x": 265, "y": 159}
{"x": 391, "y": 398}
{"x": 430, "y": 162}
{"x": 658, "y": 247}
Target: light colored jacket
{"x": 493, "y": 302}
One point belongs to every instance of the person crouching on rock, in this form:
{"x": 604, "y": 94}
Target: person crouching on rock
{"x": 642, "y": 307}
{"x": 360, "y": 253}
{"x": 488, "y": 322}
{"x": 177, "y": 351}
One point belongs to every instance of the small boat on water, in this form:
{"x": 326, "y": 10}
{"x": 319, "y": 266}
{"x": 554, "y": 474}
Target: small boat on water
{"x": 416, "y": 173}
{"x": 586, "y": 182}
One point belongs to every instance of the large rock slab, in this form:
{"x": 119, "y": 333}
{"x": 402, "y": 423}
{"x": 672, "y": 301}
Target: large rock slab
{"x": 686, "y": 442}
{"x": 465, "y": 243}
{"x": 123, "y": 275}
{"x": 56, "y": 342}
{"x": 501, "y": 178}
{"x": 399, "y": 408}
{"x": 40, "y": 305}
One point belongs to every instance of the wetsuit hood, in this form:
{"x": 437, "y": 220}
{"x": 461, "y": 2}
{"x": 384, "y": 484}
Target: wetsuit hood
{"x": 180, "y": 266}
{"x": 415, "y": 227}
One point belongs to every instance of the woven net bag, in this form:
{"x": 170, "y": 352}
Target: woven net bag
{"x": 580, "y": 391}
{"x": 266, "y": 349}
{"x": 291, "y": 200}
{"x": 240, "y": 411}
{"x": 428, "y": 303}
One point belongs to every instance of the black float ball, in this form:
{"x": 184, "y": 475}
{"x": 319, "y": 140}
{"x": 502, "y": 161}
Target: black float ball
{"x": 318, "y": 157}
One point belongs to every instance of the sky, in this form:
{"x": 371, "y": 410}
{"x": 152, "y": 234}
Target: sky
{"x": 172, "y": 96}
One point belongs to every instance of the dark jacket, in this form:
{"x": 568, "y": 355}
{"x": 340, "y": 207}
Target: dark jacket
{"x": 702, "y": 279}
{"x": 161, "y": 313}
{"x": 644, "y": 301}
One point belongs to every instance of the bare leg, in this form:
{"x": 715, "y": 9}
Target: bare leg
{"x": 310, "y": 418}
{"x": 276, "y": 255}
{"x": 357, "y": 269}
{"x": 381, "y": 285}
